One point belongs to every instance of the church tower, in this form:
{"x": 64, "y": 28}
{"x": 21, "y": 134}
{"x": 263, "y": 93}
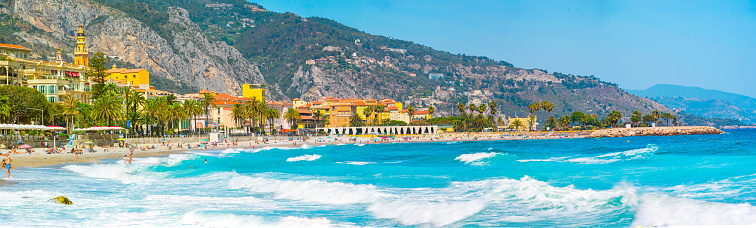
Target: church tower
{"x": 59, "y": 56}
{"x": 81, "y": 56}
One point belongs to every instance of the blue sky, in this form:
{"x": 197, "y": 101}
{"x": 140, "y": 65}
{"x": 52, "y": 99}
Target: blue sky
{"x": 636, "y": 44}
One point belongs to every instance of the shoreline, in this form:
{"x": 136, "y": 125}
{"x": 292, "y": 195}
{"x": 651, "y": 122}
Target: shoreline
{"x": 42, "y": 159}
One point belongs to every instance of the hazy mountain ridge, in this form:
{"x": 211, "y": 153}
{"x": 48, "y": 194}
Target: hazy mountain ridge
{"x": 703, "y": 102}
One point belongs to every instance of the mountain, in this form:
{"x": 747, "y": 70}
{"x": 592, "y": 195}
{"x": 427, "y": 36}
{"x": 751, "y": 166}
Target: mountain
{"x": 219, "y": 45}
{"x": 703, "y": 102}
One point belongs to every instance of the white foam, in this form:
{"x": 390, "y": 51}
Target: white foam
{"x": 119, "y": 172}
{"x": 309, "y": 190}
{"x": 306, "y": 157}
{"x": 421, "y": 212}
{"x": 359, "y": 144}
{"x": 232, "y": 220}
{"x": 356, "y": 163}
{"x": 663, "y": 210}
{"x": 530, "y": 199}
{"x": 470, "y": 158}
{"x": 641, "y": 153}
{"x": 170, "y": 160}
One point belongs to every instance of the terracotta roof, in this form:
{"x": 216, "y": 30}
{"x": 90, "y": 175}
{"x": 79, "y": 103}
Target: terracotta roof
{"x": 225, "y": 103}
{"x": 424, "y": 112}
{"x": 306, "y": 118}
{"x": 117, "y": 70}
{"x": 129, "y": 71}
{"x": 296, "y": 99}
{"x": 393, "y": 108}
{"x": 14, "y": 46}
{"x": 304, "y": 111}
{"x": 317, "y": 102}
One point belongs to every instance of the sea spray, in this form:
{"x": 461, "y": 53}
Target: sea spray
{"x": 306, "y": 157}
{"x": 473, "y": 158}
{"x": 308, "y": 190}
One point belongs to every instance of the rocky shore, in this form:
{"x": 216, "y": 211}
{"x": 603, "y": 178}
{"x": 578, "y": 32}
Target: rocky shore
{"x": 655, "y": 131}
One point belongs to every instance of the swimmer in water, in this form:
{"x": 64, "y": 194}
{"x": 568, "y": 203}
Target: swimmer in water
{"x": 205, "y": 160}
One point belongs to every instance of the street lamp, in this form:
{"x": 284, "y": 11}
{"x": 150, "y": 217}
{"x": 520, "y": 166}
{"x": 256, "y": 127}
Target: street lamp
{"x": 43, "y": 114}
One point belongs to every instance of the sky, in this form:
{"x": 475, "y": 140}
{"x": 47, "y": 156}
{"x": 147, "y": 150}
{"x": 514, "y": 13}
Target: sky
{"x": 636, "y": 44}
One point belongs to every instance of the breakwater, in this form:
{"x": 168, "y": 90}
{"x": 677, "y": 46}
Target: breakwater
{"x": 655, "y": 131}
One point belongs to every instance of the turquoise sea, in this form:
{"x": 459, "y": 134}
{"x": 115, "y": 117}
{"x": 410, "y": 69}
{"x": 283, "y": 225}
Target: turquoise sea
{"x": 610, "y": 182}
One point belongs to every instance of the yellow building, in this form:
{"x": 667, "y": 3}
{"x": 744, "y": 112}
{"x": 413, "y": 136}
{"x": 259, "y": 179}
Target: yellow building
{"x": 254, "y": 90}
{"x": 525, "y": 123}
{"x": 132, "y": 76}
{"x": 81, "y": 56}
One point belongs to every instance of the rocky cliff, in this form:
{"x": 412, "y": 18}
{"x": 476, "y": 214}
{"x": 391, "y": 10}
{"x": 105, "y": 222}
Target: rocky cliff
{"x": 190, "y": 58}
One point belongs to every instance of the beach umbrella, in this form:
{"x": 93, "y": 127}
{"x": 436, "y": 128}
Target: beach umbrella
{"x": 88, "y": 142}
{"x": 121, "y": 139}
{"x": 204, "y": 140}
{"x": 24, "y": 146}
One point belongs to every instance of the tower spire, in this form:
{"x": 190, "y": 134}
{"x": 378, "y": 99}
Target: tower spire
{"x": 81, "y": 56}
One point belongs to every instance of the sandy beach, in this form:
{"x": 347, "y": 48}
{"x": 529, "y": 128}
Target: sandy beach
{"x": 40, "y": 158}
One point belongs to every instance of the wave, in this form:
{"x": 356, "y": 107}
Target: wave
{"x": 309, "y": 191}
{"x": 663, "y": 210}
{"x": 306, "y": 157}
{"x": 471, "y": 158}
{"x": 641, "y": 153}
{"x": 359, "y": 144}
{"x": 232, "y": 220}
{"x": 356, "y": 163}
{"x": 421, "y": 212}
{"x": 168, "y": 161}
{"x": 120, "y": 172}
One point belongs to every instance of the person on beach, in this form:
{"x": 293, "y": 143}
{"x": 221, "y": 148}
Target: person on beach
{"x": 125, "y": 159}
{"x": 7, "y": 164}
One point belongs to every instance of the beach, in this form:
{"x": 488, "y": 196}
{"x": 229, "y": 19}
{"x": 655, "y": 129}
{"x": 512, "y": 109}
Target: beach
{"x": 40, "y": 158}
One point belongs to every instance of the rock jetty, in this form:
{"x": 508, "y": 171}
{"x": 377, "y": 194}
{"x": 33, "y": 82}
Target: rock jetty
{"x": 655, "y": 131}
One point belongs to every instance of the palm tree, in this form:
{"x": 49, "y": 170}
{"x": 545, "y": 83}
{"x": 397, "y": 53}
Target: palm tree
{"x": 318, "y": 116}
{"x": 482, "y": 109}
{"x": 461, "y": 108}
{"x": 108, "y": 108}
{"x": 152, "y": 109}
{"x": 547, "y": 106}
{"x": 262, "y": 108}
{"x": 656, "y": 114}
{"x": 534, "y": 107}
{"x": 614, "y": 117}
{"x": 368, "y": 112}
{"x": 379, "y": 110}
{"x": 473, "y": 108}
{"x": 238, "y": 114}
{"x": 516, "y": 124}
{"x": 272, "y": 114}
{"x": 565, "y": 122}
{"x": 411, "y": 112}
{"x": 666, "y": 117}
{"x": 636, "y": 117}
{"x": 207, "y": 100}
{"x": 69, "y": 109}
{"x": 175, "y": 112}
{"x": 134, "y": 100}
{"x": 492, "y": 108}
{"x": 431, "y": 110}
{"x": 356, "y": 121}
{"x": 192, "y": 109}
{"x": 292, "y": 116}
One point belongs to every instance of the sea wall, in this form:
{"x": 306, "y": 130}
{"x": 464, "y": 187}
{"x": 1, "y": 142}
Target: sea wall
{"x": 655, "y": 131}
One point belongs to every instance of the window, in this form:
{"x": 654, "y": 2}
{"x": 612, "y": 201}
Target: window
{"x": 218, "y": 111}
{"x": 52, "y": 89}
{"x": 42, "y": 89}
{"x": 134, "y": 76}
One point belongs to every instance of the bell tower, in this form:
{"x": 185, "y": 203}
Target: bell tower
{"x": 81, "y": 56}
